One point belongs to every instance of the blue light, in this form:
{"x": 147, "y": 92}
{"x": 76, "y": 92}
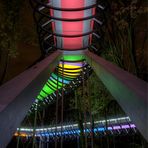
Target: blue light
{"x": 101, "y": 129}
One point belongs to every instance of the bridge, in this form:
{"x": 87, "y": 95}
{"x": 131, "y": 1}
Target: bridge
{"x": 66, "y": 32}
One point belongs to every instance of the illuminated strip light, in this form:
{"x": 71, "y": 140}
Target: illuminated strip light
{"x": 46, "y": 38}
{"x": 41, "y": 8}
{"x": 73, "y": 71}
{"x": 69, "y": 74}
{"x": 77, "y": 131}
{"x": 98, "y": 21}
{"x": 71, "y": 63}
{"x": 70, "y": 71}
{"x": 55, "y": 82}
{"x": 70, "y": 66}
{"x": 46, "y": 23}
{"x": 74, "y": 58}
{"x": 101, "y": 7}
{"x": 21, "y": 134}
{"x": 122, "y": 119}
{"x": 60, "y": 79}
{"x": 63, "y": 76}
{"x": 99, "y": 129}
{"x": 59, "y": 82}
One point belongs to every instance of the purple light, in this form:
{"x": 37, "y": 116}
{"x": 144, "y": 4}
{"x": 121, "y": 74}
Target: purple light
{"x": 125, "y": 126}
{"x": 132, "y": 126}
{"x": 99, "y": 129}
{"x": 71, "y": 63}
{"x": 116, "y": 127}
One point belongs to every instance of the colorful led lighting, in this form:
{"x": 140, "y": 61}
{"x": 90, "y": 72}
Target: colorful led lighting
{"x": 114, "y": 120}
{"x": 68, "y": 71}
{"x": 72, "y": 57}
{"x": 77, "y": 131}
{"x": 78, "y": 27}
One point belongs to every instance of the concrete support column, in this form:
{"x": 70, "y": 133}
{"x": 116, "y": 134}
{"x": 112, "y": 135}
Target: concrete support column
{"x": 127, "y": 89}
{"x": 17, "y": 96}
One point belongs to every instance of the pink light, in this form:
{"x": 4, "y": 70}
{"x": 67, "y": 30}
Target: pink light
{"x": 92, "y": 23}
{"x": 72, "y": 28}
{"x": 52, "y": 23}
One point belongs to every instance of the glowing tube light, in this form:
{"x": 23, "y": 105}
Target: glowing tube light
{"x": 68, "y": 71}
{"x": 111, "y": 121}
{"x": 77, "y": 131}
{"x": 72, "y": 28}
{"x": 73, "y": 57}
{"x": 79, "y": 28}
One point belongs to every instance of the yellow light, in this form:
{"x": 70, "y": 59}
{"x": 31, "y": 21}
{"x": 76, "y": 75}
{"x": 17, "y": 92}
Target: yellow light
{"x": 71, "y": 74}
{"x": 69, "y": 66}
{"x": 68, "y": 70}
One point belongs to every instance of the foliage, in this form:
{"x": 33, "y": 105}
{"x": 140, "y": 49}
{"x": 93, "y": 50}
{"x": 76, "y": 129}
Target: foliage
{"x": 91, "y": 101}
{"x": 121, "y": 34}
{"x": 9, "y": 33}
{"x": 95, "y": 96}
{"x": 8, "y": 28}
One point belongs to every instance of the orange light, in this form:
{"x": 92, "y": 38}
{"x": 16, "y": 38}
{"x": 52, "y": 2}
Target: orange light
{"x": 20, "y": 134}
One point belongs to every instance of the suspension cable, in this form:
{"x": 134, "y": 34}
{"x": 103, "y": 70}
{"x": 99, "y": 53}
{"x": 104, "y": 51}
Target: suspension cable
{"x": 90, "y": 110}
{"x": 57, "y": 104}
{"x": 18, "y": 138}
{"x": 62, "y": 104}
{"x": 84, "y": 107}
{"x": 34, "y": 126}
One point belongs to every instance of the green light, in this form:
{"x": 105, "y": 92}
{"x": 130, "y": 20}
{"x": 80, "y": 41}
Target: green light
{"x": 43, "y": 94}
{"x": 59, "y": 83}
{"x": 55, "y": 85}
{"x": 39, "y": 97}
{"x": 73, "y": 57}
{"x": 47, "y": 89}
{"x": 60, "y": 77}
{"x": 65, "y": 76}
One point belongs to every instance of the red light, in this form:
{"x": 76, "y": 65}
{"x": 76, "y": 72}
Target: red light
{"x": 73, "y": 27}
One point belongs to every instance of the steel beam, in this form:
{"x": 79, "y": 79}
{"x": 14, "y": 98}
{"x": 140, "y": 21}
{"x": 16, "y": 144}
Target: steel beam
{"x": 17, "y": 96}
{"x": 127, "y": 89}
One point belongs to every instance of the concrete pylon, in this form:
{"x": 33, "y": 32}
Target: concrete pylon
{"x": 17, "y": 95}
{"x": 130, "y": 92}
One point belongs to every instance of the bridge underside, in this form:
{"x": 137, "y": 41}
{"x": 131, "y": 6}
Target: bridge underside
{"x": 117, "y": 81}
{"x": 72, "y": 25}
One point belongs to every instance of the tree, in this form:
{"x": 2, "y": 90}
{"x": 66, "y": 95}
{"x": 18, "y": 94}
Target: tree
{"x": 9, "y": 18}
{"x": 123, "y": 44}
{"x": 91, "y": 100}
